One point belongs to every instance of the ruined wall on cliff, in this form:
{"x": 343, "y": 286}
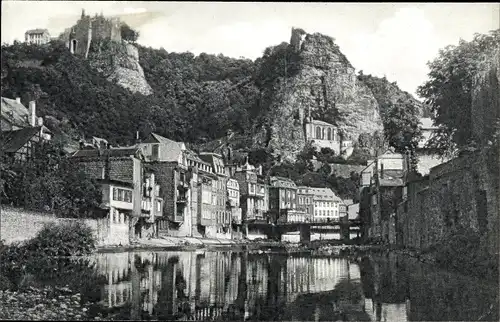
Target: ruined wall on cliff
{"x": 324, "y": 82}
{"x": 119, "y": 62}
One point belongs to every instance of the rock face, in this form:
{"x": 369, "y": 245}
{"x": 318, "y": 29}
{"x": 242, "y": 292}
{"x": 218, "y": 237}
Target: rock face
{"x": 119, "y": 62}
{"x": 324, "y": 83}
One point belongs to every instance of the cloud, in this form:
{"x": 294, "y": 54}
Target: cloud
{"x": 129, "y": 10}
{"x": 399, "y": 48}
{"x": 245, "y": 38}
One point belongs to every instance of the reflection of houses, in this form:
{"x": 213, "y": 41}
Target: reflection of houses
{"x": 115, "y": 267}
{"x": 206, "y": 285}
{"x": 22, "y": 130}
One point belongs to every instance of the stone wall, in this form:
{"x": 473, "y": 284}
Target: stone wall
{"x": 462, "y": 193}
{"x": 19, "y": 225}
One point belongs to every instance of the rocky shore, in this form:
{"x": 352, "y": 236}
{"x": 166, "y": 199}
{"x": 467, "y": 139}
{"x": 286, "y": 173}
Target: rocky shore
{"x": 44, "y": 304}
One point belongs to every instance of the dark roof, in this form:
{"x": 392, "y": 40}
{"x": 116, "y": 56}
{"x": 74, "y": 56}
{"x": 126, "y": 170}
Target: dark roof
{"x": 37, "y": 31}
{"x": 16, "y": 113}
{"x": 12, "y": 141}
{"x": 95, "y": 153}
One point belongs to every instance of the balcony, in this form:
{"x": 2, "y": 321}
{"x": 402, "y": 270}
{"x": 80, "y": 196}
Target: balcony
{"x": 178, "y": 217}
{"x": 146, "y": 205}
{"x": 183, "y": 185}
{"x": 181, "y": 200}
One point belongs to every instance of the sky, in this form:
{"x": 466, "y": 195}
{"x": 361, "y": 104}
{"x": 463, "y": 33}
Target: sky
{"x": 382, "y": 39}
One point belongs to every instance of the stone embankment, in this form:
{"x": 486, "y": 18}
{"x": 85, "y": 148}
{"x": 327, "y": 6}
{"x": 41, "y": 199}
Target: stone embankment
{"x": 44, "y": 304}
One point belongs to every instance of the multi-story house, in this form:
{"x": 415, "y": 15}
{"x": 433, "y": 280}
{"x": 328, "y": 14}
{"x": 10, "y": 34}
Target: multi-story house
{"x": 250, "y": 199}
{"x": 168, "y": 160}
{"x": 21, "y": 129}
{"x": 342, "y": 209}
{"x": 326, "y": 205}
{"x": 233, "y": 193}
{"x": 130, "y": 196}
{"x": 37, "y": 36}
{"x": 305, "y": 202}
{"x": 188, "y": 186}
{"x": 222, "y": 210}
{"x": 282, "y": 197}
{"x": 381, "y": 182}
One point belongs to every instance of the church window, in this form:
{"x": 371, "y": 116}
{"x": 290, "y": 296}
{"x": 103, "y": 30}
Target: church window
{"x": 73, "y": 46}
{"x": 318, "y": 132}
{"x": 329, "y": 134}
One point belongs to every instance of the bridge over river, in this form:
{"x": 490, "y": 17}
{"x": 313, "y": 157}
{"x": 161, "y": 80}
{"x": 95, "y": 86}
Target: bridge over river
{"x": 344, "y": 226}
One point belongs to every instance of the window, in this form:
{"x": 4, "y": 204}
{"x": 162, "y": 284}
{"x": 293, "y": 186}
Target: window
{"x": 158, "y": 205}
{"x": 122, "y": 195}
{"x": 329, "y": 135}
{"x": 155, "y": 152}
{"x": 73, "y": 46}
{"x": 318, "y": 132}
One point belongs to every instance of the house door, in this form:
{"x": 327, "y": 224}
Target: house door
{"x": 138, "y": 229}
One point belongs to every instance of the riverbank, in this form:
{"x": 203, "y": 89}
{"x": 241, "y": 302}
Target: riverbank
{"x": 44, "y": 304}
{"x": 314, "y": 248}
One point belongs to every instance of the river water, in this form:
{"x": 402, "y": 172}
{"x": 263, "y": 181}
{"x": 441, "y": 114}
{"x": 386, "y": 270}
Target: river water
{"x": 236, "y": 286}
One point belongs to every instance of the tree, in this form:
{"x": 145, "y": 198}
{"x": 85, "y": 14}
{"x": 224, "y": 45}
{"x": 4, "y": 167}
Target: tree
{"x": 449, "y": 89}
{"x": 128, "y": 33}
{"x": 50, "y": 181}
{"x": 402, "y": 129}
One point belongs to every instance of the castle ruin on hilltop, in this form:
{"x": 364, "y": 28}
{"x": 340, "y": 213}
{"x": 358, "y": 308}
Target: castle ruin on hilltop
{"x": 87, "y": 29}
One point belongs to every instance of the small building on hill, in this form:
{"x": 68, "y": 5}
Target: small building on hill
{"x": 37, "y": 36}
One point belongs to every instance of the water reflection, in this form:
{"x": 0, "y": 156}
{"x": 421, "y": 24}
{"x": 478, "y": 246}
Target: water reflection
{"x": 242, "y": 286}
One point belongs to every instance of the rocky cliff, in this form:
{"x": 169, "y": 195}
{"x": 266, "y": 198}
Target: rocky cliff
{"x": 119, "y": 62}
{"x": 324, "y": 85}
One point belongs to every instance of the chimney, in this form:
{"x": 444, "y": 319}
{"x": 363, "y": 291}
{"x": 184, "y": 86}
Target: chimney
{"x": 32, "y": 112}
{"x": 40, "y": 121}
{"x": 18, "y": 100}
{"x": 137, "y": 141}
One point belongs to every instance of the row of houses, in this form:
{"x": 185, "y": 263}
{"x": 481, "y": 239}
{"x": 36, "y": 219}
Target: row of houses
{"x": 160, "y": 187}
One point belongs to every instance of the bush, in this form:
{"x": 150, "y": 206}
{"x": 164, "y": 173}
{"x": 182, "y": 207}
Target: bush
{"x": 38, "y": 261}
{"x": 66, "y": 239}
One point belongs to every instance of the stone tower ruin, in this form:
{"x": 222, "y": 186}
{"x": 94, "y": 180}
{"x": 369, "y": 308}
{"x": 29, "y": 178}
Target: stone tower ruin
{"x": 87, "y": 29}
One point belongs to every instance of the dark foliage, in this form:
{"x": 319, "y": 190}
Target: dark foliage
{"x": 128, "y": 33}
{"x": 450, "y": 86}
{"x": 49, "y": 181}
